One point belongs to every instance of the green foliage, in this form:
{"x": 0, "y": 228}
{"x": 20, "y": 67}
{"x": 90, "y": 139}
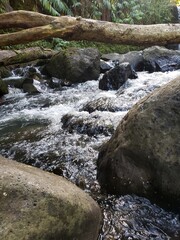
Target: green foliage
{"x": 58, "y": 43}
{"x": 143, "y": 11}
{"x": 2, "y": 5}
{"x": 121, "y": 11}
{"x": 57, "y": 7}
{"x": 128, "y": 12}
{"x": 157, "y": 11}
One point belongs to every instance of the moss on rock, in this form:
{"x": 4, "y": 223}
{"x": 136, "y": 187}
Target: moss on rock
{"x": 3, "y": 88}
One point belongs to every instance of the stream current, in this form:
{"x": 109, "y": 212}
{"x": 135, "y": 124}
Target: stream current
{"x": 61, "y": 131}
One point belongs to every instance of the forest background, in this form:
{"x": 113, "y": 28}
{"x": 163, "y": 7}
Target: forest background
{"x": 119, "y": 11}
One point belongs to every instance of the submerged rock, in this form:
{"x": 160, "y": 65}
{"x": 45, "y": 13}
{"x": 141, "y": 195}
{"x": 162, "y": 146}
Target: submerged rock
{"x": 143, "y": 155}
{"x": 116, "y": 77}
{"x": 38, "y": 205}
{"x": 75, "y": 65}
{"x": 161, "y": 59}
{"x": 90, "y": 125}
{"x": 102, "y": 104}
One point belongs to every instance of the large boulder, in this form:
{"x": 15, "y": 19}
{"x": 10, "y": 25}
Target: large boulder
{"x": 75, "y": 65}
{"x": 39, "y": 205}
{"x": 161, "y": 59}
{"x": 116, "y": 77}
{"x": 143, "y": 155}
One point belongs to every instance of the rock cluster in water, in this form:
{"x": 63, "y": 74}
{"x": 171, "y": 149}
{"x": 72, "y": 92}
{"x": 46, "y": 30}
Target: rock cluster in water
{"x": 79, "y": 65}
{"x": 144, "y": 154}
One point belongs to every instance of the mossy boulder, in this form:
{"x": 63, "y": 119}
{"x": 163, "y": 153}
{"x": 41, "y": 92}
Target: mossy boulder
{"x": 3, "y": 88}
{"x": 39, "y": 205}
{"x": 75, "y": 65}
{"x": 143, "y": 155}
{"x": 5, "y": 72}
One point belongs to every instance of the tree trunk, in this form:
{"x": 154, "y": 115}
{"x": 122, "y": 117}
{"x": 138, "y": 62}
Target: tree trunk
{"x": 41, "y": 26}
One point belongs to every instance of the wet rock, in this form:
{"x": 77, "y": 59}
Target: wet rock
{"x": 3, "y": 88}
{"x": 102, "y": 104}
{"x": 41, "y": 205}
{"x": 31, "y": 86}
{"x": 134, "y": 58}
{"x": 31, "y": 72}
{"x": 143, "y": 155}
{"x": 91, "y": 126}
{"x": 116, "y": 77}
{"x": 105, "y": 66}
{"x": 161, "y": 59}
{"x": 4, "y": 72}
{"x": 19, "y": 71}
{"x": 75, "y": 65}
{"x": 55, "y": 83}
{"x": 15, "y": 82}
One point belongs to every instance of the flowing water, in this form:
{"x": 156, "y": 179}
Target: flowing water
{"x": 61, "y": 130}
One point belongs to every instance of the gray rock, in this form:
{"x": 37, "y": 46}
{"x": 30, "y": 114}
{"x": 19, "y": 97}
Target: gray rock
{"x": 143, "y": 155}
{"x": 161, "y": 59}
{"x": 102, "y": 104}
{"x": 105, "y": 66}
{"x": 75, "y": 65}
{"x": 39, "y": 205}
{"x": 135, "y": 58}
{"x": 116, "y": 77}
{"x": 85, "y": 124}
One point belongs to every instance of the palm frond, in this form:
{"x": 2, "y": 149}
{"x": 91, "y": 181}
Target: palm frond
{"x": 48, "y": 7}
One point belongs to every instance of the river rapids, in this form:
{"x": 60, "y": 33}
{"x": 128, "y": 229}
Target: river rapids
{"x": 61, "y": 131}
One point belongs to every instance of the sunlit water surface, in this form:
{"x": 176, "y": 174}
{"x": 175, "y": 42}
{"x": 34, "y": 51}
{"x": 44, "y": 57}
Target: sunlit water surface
{"x": 53, "y": 130}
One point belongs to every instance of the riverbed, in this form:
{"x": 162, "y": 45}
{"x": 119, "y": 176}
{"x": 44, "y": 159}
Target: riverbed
{"x": 54, "y": 130}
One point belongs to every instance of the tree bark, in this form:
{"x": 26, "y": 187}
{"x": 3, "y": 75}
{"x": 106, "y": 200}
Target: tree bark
{"x": 71, "y": 28}
{"x": 24, "y": 19}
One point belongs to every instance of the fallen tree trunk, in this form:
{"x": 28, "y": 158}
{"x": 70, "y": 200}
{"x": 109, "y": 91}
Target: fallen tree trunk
{"x": 72, "y": 28}
{"x": 11, "y": 57}
{"x": 24, "y": 19}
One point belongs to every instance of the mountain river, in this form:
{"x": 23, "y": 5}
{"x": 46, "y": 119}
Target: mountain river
{"x": 55, "y": 131}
